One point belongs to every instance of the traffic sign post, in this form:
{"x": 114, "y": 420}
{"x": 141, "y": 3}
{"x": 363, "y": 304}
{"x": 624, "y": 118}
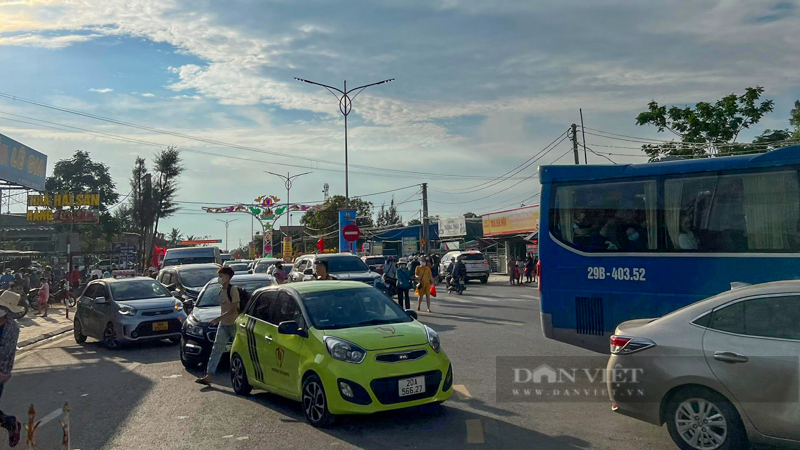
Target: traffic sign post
{"x": 351, "y": 233}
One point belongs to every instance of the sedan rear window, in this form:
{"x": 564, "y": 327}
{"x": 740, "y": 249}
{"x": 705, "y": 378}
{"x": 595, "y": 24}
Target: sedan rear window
{"x": 472, "y": 256}
{"x": 138, "y": 290}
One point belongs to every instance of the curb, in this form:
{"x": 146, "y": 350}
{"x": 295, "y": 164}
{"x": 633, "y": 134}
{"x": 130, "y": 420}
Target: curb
{"x": 44, "y": 336}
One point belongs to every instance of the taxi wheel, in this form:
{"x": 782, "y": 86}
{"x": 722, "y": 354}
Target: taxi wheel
{"x": 239, "y": 376}
{"x": 315, "y": 403}
{"x": 77, "y": 331}
{"x": 110, "y": 337}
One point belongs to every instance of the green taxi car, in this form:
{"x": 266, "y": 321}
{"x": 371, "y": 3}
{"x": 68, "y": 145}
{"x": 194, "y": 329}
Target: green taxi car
{"x": 339, "y": 347}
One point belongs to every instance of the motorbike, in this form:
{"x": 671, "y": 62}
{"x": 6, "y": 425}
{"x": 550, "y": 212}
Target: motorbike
{"x": 59, "y": 294}
{"x": 455, "y": 284}
{"x": 24, "y": 303}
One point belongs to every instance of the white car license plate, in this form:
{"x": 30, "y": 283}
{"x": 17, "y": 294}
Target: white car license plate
{"x": 411, "y": 386}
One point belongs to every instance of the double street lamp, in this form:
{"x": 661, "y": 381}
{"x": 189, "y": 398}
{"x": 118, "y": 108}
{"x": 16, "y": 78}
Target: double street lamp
{"x": 345, "y": 106}
{"x": 287, "y": 181}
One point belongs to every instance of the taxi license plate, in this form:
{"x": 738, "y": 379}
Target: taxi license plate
{"x": 411, "y": 386}
{"x": 161, "y": 326}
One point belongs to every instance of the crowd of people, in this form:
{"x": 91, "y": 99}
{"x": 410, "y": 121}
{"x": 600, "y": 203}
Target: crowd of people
{"x": 522, "y": 266}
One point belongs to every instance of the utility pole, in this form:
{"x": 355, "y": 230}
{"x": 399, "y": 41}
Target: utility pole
{"x": 148, "y": 195}
{"x": 583, "y": 132}
{"x": 575, "y": 143}
{"x": 345, "y": 106}
{"x": 227, "y": 224}
{"x": 425, "y": 220}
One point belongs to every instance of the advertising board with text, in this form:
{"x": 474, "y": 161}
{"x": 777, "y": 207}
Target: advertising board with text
{"x": 515, "y": 221}
{"x": 21, "y": 165}
{"x": 64, "y": 207}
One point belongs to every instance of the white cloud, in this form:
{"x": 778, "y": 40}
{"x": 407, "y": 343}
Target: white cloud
{"x": 48, "y": 42}
{"x": 147, "y": 94}
{"x": 101, "y": 91}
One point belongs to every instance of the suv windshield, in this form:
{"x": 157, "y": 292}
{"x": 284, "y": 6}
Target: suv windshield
{"x": 346, "y": 264}
{"x": 137, "y": 290}
{"x": 189, "y": 260}
{"x": 210, "y": 295}
{"x": 197, "y": 278}
{"x": 348, "y": 308}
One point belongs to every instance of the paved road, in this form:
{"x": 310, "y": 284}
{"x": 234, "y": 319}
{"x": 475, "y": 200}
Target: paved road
{"x": 141, "y": 397}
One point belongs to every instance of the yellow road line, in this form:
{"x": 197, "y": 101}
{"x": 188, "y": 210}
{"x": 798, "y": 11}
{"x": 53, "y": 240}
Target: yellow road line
{"x": 474, "y": 431}
{"x": 461, "y": 391}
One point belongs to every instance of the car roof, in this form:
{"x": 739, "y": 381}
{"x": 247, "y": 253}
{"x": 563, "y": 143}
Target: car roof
{"x": 190, "y": 267}
{"x": 310, "y": 287}
{"x": 122, "y": 279}
{"x": 251, "y": 277}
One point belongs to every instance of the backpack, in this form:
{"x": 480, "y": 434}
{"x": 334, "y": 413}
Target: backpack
{"x": 244, "y": 297}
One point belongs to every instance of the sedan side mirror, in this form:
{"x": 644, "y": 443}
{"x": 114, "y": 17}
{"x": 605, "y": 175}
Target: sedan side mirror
{"x": 413, "y": 314}
{"x": 291, "y": 327}
{"x": 176, "y": 294}
{"x": 188, "y": 306}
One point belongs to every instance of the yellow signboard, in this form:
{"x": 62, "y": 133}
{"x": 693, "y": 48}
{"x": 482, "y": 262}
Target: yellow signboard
{"x": 66, "y": 207}
{"x": 287, "y": 247}
{"x": 515, "y": 221}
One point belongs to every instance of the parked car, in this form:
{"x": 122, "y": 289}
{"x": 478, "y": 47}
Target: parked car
{"x": 375, "y": 263}
{"x": 197, "y": 336}
{"x": 120, "y": 310}
{"x": 342, "y": 266}
{"x": 191, "y": 255}
{"x": 477, "y": 266}
{"x": 225, "y": 257}
{"x": 104, "y": 264}
{"x": 720, "y": 372}
{"x": 188, "y": 280}
{"x": 327, "y": 344}
{"x": 238, "y": 265}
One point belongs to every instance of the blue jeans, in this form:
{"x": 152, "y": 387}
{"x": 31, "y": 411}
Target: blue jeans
{"x": 225, "y": 335}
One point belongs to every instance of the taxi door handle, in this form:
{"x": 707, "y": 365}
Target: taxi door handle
{"x": 268, "y": 338}
{"x": 243, "y": 325}
{"x": 730, "y": 357}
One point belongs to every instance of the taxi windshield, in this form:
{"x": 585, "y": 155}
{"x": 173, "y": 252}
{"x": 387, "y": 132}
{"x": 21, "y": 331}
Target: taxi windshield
{"x": 348, "y": 308}
{"x": 137, "y": 290}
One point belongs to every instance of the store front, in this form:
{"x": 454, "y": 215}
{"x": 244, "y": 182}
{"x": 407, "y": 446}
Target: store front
{"x": 512, "y": 230}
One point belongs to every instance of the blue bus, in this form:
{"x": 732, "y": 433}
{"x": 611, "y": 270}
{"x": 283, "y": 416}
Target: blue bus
{"x": 637, "y": 241}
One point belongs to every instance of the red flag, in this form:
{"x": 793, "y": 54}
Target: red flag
{"x": 156, "y": 253}
{"x": 321, "y": 245}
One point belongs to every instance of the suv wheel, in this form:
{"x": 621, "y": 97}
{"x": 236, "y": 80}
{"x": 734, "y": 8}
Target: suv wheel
{"x": 315, "y": 403}
{"x": 701, "y": 419}
{"x": 484, "y": 280}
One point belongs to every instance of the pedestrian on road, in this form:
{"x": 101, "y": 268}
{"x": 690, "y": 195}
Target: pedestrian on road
{"x": 278, "y": 273}
{"x": 74, "y": 279}
{"x": 390, "y": 275}
{"x": 413, "y": 266}
{"x": 6, "y": 279}
{"x": 535, "y": 269}
{"x": 321, "y": 269}
{"x": 529, "y": 269}
{"x": 511, "y": 267}
{"x": 424, "y": 283}
{"x": 229, "y": 309}
{"x": 520, "y": 270}
{"x": 96, "y": 273}
{"x": 44, "y": 296}
{"x": 435, "y": 269}
{"x": 9, "y": 335}
{"x": 403, "y": 284}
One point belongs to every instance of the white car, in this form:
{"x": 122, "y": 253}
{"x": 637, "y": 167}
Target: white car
{"x": 477, "y": 266}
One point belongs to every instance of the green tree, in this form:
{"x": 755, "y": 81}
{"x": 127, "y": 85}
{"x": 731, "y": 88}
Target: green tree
{"x": 81, "y": 174}
{"x": 174, "y": 237}
{"x": 388, "y": 217}
{"x": 704, "y": 129}
{"x": 141, "y": 203}
{"x": 470, "y": 215}
{"x": 326, "y": 219}
{"x": 794, "y": 120}
{"x": 413, "y": 222}
{"x": 168, "y": 167}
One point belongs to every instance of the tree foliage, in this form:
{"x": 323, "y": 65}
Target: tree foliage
{"x": 388, "y": 217}
{"x": 174, "y": 237}
{"x": 794, "y": 120}
{"x": 413, "y": 222}
{"x": 81, "y": 174}
{"x": 326, "y": 219}
{"x": 707, "y": 125}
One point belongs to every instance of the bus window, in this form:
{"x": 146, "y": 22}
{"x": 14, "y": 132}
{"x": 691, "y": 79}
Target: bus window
{"x": 755, "y": 212}
{"x": 618, "y": 217}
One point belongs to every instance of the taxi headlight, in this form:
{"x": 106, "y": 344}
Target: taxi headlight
{"x": 433, "y": 339}
{"x": 344, "y": 350}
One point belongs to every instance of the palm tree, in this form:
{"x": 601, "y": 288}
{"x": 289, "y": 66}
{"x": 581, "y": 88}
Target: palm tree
{"x": 175, "y": 237}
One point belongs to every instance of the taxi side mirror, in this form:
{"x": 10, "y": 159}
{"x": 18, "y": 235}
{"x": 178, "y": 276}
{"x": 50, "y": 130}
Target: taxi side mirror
{"x": 100, "y": 300}
{"x": 291, "y": 327}
{"x": 413, "y": 314}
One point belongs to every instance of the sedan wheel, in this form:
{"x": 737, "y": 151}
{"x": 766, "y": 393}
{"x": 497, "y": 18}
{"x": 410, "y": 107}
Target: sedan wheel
{"x": 239, "y": 376}
{"x": 315, "y": 405}
{"x": 700, "y": 419}
{"x": 77, "y": 331}
{"x": 110, "y": 337}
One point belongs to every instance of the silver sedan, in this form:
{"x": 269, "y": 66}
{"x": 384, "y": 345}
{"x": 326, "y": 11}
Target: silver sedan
{"x": 127, "y": 309}
{"x": 721, "y": 373}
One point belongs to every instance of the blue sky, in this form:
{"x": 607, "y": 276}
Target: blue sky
{"x": 480, "y": 86}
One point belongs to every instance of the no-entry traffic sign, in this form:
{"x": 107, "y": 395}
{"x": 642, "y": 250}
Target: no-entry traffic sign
{"x": 351, "y": 233}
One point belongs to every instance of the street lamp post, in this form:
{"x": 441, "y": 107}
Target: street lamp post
{"x": 287, "y": 181}
{"x": 345, "y": 106}
{"x": 227, "y": 223}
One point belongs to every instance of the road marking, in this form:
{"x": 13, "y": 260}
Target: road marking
{"x": 481, "y": 319}
{"x": 474, "y": 431}
{"x": 130, "y": 367}
{"x": 50, "y": 417}
{"x": 243, "y": 438}
{"x": 461, "y": 391}
{"x": 171, "y": 377}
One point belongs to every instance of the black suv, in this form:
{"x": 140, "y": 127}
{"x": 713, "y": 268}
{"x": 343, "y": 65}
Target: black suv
{"x": 197, "y": 336}
{"x": 341, "y": 266}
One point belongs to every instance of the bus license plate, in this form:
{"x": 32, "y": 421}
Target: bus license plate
{"x": 161, "y": 326}
{"x": 411, "y": 386}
